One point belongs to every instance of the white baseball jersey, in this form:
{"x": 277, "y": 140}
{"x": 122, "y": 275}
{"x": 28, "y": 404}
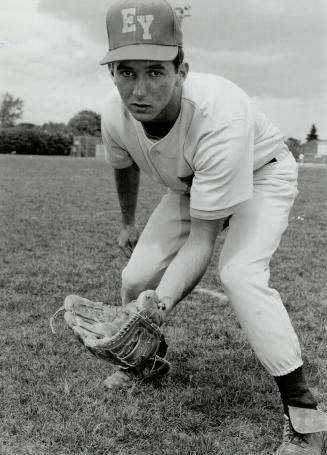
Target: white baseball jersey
{"x": 217, "y": 141}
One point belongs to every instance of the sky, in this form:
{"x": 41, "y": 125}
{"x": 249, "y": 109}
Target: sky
{"x": 276, "y": 50}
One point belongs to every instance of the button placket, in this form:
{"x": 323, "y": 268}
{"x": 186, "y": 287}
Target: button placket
{"x": 147, "y": 147}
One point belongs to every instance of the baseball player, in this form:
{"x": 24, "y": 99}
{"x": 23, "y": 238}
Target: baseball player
{"x": 222, "y": 161}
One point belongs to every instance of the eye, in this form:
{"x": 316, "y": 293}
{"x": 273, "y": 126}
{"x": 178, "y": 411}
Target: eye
{"x": 126, "y": 73}
{"x": 155, "y": 73}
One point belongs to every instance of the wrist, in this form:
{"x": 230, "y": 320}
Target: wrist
{"x": 165, "y": 306}
{"x": 162, "y": 314}
{"x": 128, "y": 223}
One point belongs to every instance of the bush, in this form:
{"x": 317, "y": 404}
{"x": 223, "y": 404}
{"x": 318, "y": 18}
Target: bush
{"x": 33, "y": 141}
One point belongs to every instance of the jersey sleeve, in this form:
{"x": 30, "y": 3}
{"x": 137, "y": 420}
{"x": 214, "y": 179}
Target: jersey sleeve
{"x": 115, "y": 153}
{"x": 223, "y": 171}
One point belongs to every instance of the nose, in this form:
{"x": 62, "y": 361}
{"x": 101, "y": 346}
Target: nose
{"x": 139, "y": 90}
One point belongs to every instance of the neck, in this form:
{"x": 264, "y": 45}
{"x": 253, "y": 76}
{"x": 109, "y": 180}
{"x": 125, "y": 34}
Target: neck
{"x": 161, "y": 125}
{"x": 157, "y": 130}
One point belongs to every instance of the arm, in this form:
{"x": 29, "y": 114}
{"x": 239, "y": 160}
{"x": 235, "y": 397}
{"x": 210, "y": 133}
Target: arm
{"x": 190, "y": 264}
{"x": 223, "y": 178}
{"x": 127, "y": 184}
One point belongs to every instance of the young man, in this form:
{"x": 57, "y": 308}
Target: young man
{"x": 222, "y": 160}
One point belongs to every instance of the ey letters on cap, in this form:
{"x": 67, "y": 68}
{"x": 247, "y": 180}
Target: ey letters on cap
{"x": 130, "y": 20}
{"x": 142, "y": 30}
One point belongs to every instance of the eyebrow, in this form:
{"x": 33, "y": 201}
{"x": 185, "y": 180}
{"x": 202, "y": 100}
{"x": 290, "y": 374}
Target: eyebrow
{"x": 122, "y": 65}
{"x": 157, "y": 65}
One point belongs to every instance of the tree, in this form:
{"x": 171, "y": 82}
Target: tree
{"x": 26, "y": 125}
{"x": 33, "y": 141}
{"x": 56, "y": 128}
{"x": 183, "y": 12}
{"x": 11, "y": 110}
{"x": 86, "y": 123}
{"x": 312, "y": 136}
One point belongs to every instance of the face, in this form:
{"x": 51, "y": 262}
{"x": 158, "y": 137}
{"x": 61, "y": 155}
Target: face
{"x": 150, "y": 90}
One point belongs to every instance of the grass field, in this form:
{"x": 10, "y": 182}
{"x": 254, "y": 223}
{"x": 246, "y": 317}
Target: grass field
{"x": 59, "y": 219}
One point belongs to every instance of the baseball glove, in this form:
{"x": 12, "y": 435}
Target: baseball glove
{"x": 125, "y": 335}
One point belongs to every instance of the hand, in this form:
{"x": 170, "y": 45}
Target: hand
{"x": 128, "y": 238}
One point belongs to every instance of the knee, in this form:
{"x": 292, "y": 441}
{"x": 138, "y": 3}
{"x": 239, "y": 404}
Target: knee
{"x": 135, "y": 281}
{"x": 131, "y": 284}
{"x": 234, "y": 275}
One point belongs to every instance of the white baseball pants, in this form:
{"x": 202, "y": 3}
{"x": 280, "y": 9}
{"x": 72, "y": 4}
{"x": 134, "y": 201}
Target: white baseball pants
{"x": 253, "y": 236}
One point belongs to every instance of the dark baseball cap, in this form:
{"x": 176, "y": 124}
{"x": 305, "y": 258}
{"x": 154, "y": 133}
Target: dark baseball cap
{"x": 142, "y": 30}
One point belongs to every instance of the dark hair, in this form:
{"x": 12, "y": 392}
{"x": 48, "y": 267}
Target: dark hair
{"x": 178, "y": 60}
{"x": 110, "y": 67}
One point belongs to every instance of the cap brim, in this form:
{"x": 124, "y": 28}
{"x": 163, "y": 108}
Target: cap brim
{"x": 141, "y": 52}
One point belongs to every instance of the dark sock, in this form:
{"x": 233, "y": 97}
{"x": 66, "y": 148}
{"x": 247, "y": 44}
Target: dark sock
{"x": 163, "y": 347}
{"x": 294, "y": 390}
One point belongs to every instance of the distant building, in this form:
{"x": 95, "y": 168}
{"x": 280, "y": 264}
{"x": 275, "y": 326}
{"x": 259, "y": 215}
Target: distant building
{"x": 85, "y": 146}
{"x": 100, "y": 152}
{"x": 314, "y": 151}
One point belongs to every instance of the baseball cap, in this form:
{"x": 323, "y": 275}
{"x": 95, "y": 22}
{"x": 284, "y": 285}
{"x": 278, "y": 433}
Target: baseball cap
{"x": 142, "y": 30}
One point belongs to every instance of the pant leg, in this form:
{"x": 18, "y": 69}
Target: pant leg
{"x": 165, "y": 233}
{"x": 254, "y": 235}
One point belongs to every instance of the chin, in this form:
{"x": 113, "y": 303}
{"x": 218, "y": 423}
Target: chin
{"x": 142, "y": 116}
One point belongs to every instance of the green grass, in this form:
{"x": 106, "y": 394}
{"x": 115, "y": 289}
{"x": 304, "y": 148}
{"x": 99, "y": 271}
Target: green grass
{"x": 59, "y": 220}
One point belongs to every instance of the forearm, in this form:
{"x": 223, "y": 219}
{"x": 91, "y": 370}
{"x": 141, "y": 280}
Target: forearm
{"x": 127, "y": 184}
{"x": 183, "y": 274}
{"x": 188, "y": 267}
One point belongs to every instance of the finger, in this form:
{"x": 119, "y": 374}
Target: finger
{"x": 126, "y": 251}
{"x": 134, "y": 242}
{"x": 91, "y": 317}
{"x": 70, "y": 319}
{"x": 130, "y": 249}
{"x": 80, "y": 333}
{"x": 94, "y": 329}
{"x": 131, "y": 245}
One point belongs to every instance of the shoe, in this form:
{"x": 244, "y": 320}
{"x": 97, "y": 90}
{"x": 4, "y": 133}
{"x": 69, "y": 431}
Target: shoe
{"x": 120, "y": 379}
{"x": 304, "y": 432}
{"x": 154, "y": 369}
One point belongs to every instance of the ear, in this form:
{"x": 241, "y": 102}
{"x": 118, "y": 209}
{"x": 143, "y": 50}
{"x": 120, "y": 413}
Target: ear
{"x": 182, "y": 73}
{"x": 111, "y": 70}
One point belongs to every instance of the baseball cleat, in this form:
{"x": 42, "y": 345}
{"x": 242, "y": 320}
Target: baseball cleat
{"x": 154, "y": 369}
{"x": 119, "y": 379}
{"x": 304, "y": 432}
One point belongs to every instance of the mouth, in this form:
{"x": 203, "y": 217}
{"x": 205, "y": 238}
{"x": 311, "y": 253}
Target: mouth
{"x": 141, "y": 106}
